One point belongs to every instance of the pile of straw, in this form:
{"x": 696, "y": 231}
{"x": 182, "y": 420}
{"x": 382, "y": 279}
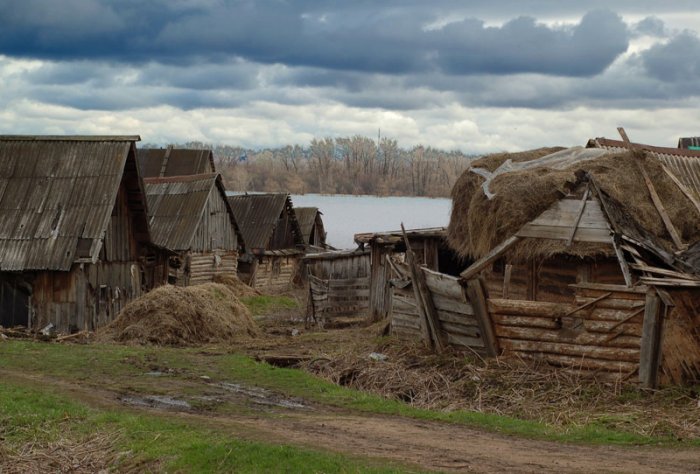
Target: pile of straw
{"x": 478, "y": 224}
{"x": 176, "y": 316}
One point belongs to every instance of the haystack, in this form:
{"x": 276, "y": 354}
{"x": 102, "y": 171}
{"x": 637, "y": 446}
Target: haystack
{"x": 234, "y": 283}
{"x": 479, "y": 224}
{"x": 177, "y": 316}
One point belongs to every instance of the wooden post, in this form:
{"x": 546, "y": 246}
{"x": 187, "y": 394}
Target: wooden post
{"x": 474, "y": 292}
{"x": 506, "y": 281}
{"x": 424, "y": 301}
{"x": 651, "y": 332}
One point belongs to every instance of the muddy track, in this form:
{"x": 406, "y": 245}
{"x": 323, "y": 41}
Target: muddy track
{"x": 428, "y": 445}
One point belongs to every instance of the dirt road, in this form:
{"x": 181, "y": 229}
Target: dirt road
{"x": 427, "y": 445}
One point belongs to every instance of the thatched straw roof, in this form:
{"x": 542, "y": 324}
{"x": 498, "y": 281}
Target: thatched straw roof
{"x": 478, "y": 224}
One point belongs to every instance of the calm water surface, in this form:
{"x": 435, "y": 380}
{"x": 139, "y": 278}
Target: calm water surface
{"x": 344, "y": 215}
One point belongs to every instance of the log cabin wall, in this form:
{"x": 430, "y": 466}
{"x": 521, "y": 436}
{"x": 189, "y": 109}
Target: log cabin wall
{"x": 203, "y": 267}
{"x": 604, "y": 336}
{"x": 273, "y": 273}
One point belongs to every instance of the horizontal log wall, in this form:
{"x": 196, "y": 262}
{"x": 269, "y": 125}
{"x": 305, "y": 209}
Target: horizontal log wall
{"x": 604, "y": 336}
{"x": 204, "y": 266}
{"x": 456, "y": 315}
{"x": 339, "y": 297}
{"x": 274, "y": 274}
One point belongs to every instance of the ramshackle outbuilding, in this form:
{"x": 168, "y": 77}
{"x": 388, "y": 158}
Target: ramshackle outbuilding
{"x": 191, "y": 216}
{"x": 74, "y": 237}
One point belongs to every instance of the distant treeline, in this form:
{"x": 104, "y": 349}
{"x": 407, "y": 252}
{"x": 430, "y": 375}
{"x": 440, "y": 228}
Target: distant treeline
{"x": 353, "y": 165}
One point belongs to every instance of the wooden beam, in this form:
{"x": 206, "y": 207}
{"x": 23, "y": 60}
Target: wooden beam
{"x": 474, "y": 293}
{"x": 586, "y": 305}
{"x": 624, "y": 266}
{"x": 489, "y": 258}
{"x": 625, "y": 138}
{"x": 578, "y": 216}
{"x": 651, "y": 336}
{"x": 661, "y": 210}
{"x": 662, "y": 271}
{"x": 684, "y": 189}
{"x": 506, "y": 281}
{"x": 430, "y": 322}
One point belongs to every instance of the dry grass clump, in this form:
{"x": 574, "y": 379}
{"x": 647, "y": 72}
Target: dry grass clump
{"x": 478, "y": 224}
{"x": 93, "y": 454}
{"x": 236, "y": 285}
{"x": 176, "y": 316}
{"x": 511, "y": 386}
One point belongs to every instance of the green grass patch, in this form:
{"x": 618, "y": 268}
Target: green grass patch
{"x": 29, "y": 414}
{"x": 124, "y": 368}
{"x": 261, "y": 305}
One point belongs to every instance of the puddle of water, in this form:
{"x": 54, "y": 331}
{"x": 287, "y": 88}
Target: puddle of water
{"x": 156, "y": 401}
{"x": 261, "y": 396}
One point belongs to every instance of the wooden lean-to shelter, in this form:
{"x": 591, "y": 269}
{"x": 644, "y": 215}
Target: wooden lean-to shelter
{"x": 74, "y": 237}
{"x": 273, "y": 240}
{"x": 429, "y": 246}
{"x": 582, "y": 258}
{"x": 191, "y": 216}
{"x": 311, "y": 226}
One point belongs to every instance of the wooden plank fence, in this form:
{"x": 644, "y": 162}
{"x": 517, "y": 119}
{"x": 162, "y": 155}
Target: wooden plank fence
{"x": 330, "y": 298}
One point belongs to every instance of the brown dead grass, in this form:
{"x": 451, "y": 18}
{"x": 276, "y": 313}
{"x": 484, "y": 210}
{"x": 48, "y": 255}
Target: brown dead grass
{"x": 529, "y": 390}
{"x": 176, "y": 316}
{"x": 478, "y": 224}
{"x": 236, "y": 285}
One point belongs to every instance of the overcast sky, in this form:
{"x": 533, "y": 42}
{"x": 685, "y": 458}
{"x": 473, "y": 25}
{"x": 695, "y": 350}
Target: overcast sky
{"x": 478, "y": 76}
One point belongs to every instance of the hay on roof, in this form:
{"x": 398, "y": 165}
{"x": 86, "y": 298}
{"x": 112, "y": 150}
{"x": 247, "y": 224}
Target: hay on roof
{"x": 478, "y": 224}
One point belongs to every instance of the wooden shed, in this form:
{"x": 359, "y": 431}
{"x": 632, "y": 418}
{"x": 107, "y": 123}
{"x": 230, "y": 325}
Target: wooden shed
{"x": 168, "y": 162}
{"x": 339, "y": 283}
{"x": 578, "y": 259}
{"x": 74, "y": 238}
{"x": 312, "y": 229}
{"x": 273, "y": 240}
{"x": 191, "y": 216}
{"x": 429, "y": 246}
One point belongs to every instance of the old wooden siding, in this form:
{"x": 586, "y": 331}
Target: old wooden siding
{"x": 379, "y": 293}
{"x": 119, "y": 243}
{"x": 680, "y": 345}
{"x": 344, "y": 297}
{"x": 215, "y": 230}
{"x": 456, "y": 315}
{"x": 550, "y": 280}
{"x": 332, "y": 268}
{"x": 203, "y": 267}
{"x": 88, "y": 297}
{"x": 274, "y": 273}
{"x": 604, "y": 336}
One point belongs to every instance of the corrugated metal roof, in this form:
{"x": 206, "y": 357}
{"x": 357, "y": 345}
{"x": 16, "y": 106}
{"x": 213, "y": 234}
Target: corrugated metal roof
{"x": 161, "y": 162}
{"x": 258, "y": 215}
{"x": 54, "y": 191}
{"x": 306, "y": 216}
{"x": 175, "y": 207}
{"x": 683, "y": 163}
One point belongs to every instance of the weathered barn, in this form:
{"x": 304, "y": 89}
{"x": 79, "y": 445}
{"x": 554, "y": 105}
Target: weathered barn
{"x": 273, "y": 240}
{"x": 429, "y": 246}
{"x": 311, "y": 225}
{"x": 165, "y": 162}
{"x": 191, "y": 216}
{"x": 577, "y": 258}
{"x": 74, "y": 238}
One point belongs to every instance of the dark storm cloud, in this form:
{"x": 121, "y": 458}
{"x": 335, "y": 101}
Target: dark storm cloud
{"x": 368, "y": 38}
{"x": 675, "y": 61}
{"x": 522, "y": 45}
